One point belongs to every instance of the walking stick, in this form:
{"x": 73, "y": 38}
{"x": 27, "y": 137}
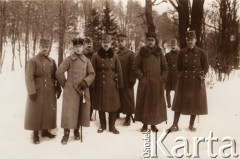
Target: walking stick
{"x": 83, "y": 102}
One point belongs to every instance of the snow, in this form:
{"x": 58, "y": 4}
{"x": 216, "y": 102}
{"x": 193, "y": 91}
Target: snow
{"x": 15, "y": 142}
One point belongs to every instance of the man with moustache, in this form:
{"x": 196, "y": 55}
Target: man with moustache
{"x": 42, "y": 89}
{"x": 88, "y": 52}
{"x": 107, "y": 84}
{"x": 126, "y": 58}
{"x": 190, "y": 94}
{"x": 150, "y": 67}
{"x": 80, "y": 75}
{"x": 171, "y": 82}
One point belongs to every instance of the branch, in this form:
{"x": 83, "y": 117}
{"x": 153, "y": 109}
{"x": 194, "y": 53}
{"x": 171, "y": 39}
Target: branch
{"x": 173, "y": 4}
{"x": 153, "y": 3}
{"x": 210, "y": 26}
{"x": 142, "y": 16}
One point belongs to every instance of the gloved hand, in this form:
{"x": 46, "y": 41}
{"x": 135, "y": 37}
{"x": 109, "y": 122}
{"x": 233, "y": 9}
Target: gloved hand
{"x": 58, "y": 94}
{"x": 33, "y": 96}
{"x": 131, "y": 84}
{"x": 82, "y": 85}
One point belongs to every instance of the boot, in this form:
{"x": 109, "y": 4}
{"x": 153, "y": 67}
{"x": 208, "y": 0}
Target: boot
{"x": 35, "y": 137}
{"x": 191, "y": 123}
{"x": 112, "y": 119}
{"x": 76, "y": 134}
{"x": 174, "y": 127}
{"x": 65, "y": 136}
{"x": 154, "y": 128}
{"x": 91, "y": 111}
{"x": 127, "y": 120}
{"x": 46, "y": 133}
{"x": 102, "y": 117}
{"x": 144, "y": 128}
{"x": 168, "y": 97}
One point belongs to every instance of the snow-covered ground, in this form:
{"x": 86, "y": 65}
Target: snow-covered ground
{"x": 16, "y": 143}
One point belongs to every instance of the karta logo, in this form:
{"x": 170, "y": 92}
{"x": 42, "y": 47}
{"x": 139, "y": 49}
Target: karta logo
{"x": 154, "y": 145}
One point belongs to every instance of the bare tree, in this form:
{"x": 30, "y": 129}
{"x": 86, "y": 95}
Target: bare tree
{"x": 3, "y": 5}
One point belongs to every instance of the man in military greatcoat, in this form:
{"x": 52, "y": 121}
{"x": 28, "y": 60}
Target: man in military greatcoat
{"x": 171, "y": 82}
{"x": 107, "y": 83}
{"x": 80, "y": 75}
{"x": 126, "y": 58}
{"x": 42, "y": 89}
{"x": 190, "y": 95}
{"x": 150, "y": 67}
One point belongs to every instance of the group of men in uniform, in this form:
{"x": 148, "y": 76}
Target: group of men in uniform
{"x": 104, "y": 81}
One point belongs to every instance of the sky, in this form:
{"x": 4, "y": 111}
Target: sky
{"x": 163, "y": 7}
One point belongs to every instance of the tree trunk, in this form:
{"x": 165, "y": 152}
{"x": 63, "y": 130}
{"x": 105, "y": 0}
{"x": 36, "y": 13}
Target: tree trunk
{"x": 197, "y": 19}
{"x": 3, "y": 6}
{"x": 183, "y": 13}
{"x": 27, "y": 34}
{"x": 149, "y": 18}
{"x": 62, "y": 26}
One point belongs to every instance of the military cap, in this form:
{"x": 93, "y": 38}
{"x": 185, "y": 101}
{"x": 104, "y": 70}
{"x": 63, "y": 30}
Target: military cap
{"x": 121, "y": 36}
{"x": 190, "y": 34}
{"x": 77, "y": 41}
{"x": 106, "y": 37}
{"x": 88, "y": 40}
{"x": 174, "y": 42}
{"x": 44, "y": 42}
{"x": 151, "y": 35}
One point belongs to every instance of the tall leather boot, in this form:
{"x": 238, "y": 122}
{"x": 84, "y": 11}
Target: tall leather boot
{"x": 103, "y": 126}
{"x": 65, "y": 136}
{"x": 35, "y": 137}
{"x": 91, "y": 111}
{"x": 112, "y": 119}
{"x": 191, "y": 123}
{"x": 174, "y": 127}
{"x": 76, "y": 134}
{"x": 168, "y": 97}
{"x": 127, "y": 120}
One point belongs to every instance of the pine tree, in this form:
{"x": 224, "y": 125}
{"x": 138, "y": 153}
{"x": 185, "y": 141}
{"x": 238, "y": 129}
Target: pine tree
{"x": 94, "y": 28}
{"x": 108, "y": 21}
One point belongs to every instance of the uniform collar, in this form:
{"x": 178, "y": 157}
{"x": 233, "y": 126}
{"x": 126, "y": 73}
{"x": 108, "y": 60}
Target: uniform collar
{"x": 75, "y": 56}
{"x": 123, "y": 51}
{"x": 42, "y": 57}
{"x": 194, "y": 49}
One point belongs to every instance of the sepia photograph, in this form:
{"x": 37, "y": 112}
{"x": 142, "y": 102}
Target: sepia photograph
{"x": 119, "y": 79}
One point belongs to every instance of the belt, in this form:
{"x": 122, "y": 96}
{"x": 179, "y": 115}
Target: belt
{"x": 43, "y": 76}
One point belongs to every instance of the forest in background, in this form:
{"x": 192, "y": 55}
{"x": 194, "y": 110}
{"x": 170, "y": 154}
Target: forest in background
{"x": 23, "y": 23}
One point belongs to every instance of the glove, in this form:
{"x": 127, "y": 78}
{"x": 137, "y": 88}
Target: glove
{"x": 58, "y": 94}
{"x": 83, "y": 85}
{"x": 33, "y": 96}
{"x": 131, "y": 84}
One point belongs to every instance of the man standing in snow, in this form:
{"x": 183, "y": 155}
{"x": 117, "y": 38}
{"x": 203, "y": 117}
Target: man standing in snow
{"x": 107, "y": 83}
{"x": 126, "y": 58}
{"x": 80, "y": 75}
{"x": 42, "y": 91}
{"x": 190, "y": 95}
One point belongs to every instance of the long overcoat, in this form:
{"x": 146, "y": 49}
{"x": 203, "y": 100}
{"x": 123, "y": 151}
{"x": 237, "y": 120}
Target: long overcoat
{"x": 78, "y": 68}
{"x": 150, "y": 67}
{"x": 126, "y": 58}
{"x": 172, "y": 77}
{"x": 40, "y": 80}
{"x": 107, "y": 82}
{"x": 89, "y": 54}
{"x": 190, "y": 95}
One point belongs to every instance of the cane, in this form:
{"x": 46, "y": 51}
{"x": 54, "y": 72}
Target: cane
{"x": 83, "y": 102}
